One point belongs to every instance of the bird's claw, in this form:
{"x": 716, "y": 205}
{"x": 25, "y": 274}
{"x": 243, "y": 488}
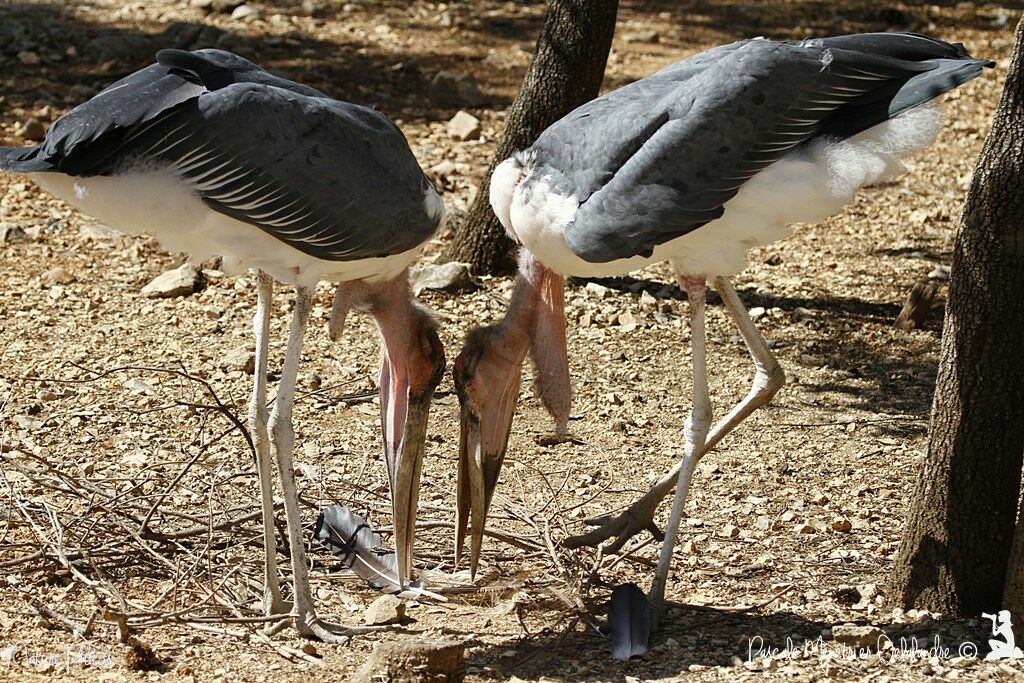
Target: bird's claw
{"x": 275, "y": 605}
{"x": 622, "y": 527}
{"x": 328, "y": 632}
{"x": 555, "y": 439}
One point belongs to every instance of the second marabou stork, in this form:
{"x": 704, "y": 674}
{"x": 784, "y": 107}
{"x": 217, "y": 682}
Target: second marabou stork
{"x": 215, "y": 156}
{"x": 694, "y": 165}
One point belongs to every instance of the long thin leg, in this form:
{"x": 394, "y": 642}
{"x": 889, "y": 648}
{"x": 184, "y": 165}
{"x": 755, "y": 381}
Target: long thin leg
{"x": 694, "y": 434}
{"x": 769, "y": 378}
{"x": 273, "y": 603}
{"x": 283, "y": 439}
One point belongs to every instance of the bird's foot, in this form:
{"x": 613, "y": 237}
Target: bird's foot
{"x": 274, "y": 605}
{"x": 554, "y": 439}
{"x": 638, "y": 517}
{"x": 311, "y": 626}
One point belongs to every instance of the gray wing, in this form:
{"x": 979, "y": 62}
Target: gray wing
{"x": 87, "y": 139}
{"x": 332, "y": 179}
{"x": 662, "y": 160}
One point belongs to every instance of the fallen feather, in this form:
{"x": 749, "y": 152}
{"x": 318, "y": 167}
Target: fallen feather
{"x": 361, "y": 549}
{"x": 629, "y": 619}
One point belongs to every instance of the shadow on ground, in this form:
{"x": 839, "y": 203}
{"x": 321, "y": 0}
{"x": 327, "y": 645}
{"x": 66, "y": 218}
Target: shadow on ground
{"x": 692, "y": 637}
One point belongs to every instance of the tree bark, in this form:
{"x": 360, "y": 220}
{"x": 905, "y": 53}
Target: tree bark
{"x": 566, "y": 70}
{"x": 953, "y": 558}
{"x": 1013, "y": 589}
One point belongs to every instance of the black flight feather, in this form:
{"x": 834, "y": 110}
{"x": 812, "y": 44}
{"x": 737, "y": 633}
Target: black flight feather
{"x": 361, "y": 549}
{"x": 629, "y": 620}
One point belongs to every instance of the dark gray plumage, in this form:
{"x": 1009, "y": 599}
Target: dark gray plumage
{"x": 335, "y": 180}
{"x": 659, "y": 158}
{"x": 361, "y": 549}
{"x": 629, "y": 621}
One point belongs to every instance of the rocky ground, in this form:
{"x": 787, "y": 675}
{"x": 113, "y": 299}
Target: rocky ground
{"x": 114, "y": 403}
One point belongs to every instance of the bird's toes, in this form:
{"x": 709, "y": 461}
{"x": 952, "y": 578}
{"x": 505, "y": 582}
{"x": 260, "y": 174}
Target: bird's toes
{"x": 329, "y": 632}
{"x": 607, "y": 527}
{"x": 555, "y": 439}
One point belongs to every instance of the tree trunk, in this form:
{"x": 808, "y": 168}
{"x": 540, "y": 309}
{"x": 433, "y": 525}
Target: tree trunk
{"x": 1013, "y": 590}
{"x": 956, "y": 543}
{"x": 566, "y": 71}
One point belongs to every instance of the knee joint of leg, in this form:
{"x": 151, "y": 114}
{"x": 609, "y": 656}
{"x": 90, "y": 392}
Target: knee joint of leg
{"x": 769, "y": 379}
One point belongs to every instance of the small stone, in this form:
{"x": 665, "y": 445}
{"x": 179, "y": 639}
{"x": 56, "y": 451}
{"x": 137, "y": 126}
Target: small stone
{"x": 29, "y": 58}
{"x": 442, "y": 169}
{"x": 729, "y": 531}
{"x": 818, "y": 498}
{"x": 312, "y": 8}
{"x": 244, "y": 13}
{"x": 12, "y": 232}
{"x": 647, "y": 300}
{"x": 842, "y": 525}
{"x": 642, "y": 37}
{"x": 387, "y": 609}
{"x": 181, "y": 281}
{"x": 939, "y": 273}
{"x": 448, "y": 277}
{"x": 867, "y": 590}
{"x": 613, "y": 398}
{"x": 455, "y": 88}
{"x": 756, "y": 312}
{"x": 464, "y": 126}
{"x": 32, "y": 129}
{"x": 56, "y": 276}
{"x": 202, "y": 4}
{"x": 586, "y": 320}
{"x": 600, "y": 291}
{"x": 241, "y": 359}
{"x": 98, "y": 231}
{"x": 310, "y": 649}
{"x": 846, "y": 595}
{"x": 415, "y": 660}
{"x": 138, "y": 386}
{"x": 626, "y": 319}
{"x": 763, "y": 523}
{"x": 804, "y": 528}
{"x": 27, "y": 423}
{"x": 857, "y": 636}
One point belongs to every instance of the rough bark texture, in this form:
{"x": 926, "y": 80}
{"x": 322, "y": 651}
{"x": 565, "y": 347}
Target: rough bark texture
{"x": 414, "y": 662}
{"x": 566, "y": 71}
{"x": 1013, "y": 591}
{"x": 956, "y": 543}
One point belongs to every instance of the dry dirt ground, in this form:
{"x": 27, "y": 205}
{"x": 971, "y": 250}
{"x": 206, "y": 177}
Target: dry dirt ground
{"x": 109, "y": 401}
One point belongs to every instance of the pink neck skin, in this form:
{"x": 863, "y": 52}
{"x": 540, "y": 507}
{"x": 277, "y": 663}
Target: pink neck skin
{"x": 534, "y": 322}
{"x": 410, "y": 352}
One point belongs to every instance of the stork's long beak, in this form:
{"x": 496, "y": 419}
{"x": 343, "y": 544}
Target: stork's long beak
{"x": 404, "y": 454}
{"x": 487, "y": 378}
{"x": 486, "y": 424}
{"x": 406, "y": 388}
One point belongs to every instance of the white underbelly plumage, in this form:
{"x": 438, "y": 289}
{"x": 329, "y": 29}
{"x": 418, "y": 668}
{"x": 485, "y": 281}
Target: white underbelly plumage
{"x": 804, "y": 187}
{"x": 159, "y": 205}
